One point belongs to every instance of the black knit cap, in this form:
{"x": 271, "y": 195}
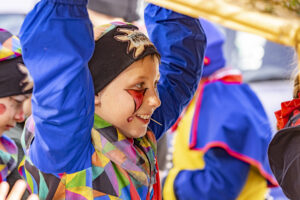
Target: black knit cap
{"x": 118, "y": 45}
{"x": 14, "y": 76}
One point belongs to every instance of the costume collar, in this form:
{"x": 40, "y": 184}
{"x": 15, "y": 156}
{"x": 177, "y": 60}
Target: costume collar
{"x": 227, "y": 75}
{"x": 8, "y": 158}
{"x": 137, "y": 157}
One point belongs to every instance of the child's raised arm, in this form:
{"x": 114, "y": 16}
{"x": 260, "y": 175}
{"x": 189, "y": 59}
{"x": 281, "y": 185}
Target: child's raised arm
{"x": 181, "y": 42}
{"x": 57, "y": 43}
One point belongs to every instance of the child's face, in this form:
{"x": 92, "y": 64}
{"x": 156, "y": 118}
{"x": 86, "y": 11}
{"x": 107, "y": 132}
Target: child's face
{"x": 11, "y": 111}
{"x": 131, "y": 98}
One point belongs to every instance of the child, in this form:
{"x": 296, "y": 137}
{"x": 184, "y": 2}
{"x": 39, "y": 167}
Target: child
{"x": 15, "y": 86}
{"x": 221, "y": 141}
{"x": 117, "y": 161}
{"x": 284, "y": 148}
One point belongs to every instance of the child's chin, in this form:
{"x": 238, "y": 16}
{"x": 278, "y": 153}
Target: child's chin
{"x": 138, "y": 134}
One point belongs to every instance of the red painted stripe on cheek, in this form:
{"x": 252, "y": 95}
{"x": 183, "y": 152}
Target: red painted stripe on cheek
{"x": 2, "y": 109}
{"x": 138, "y": 96}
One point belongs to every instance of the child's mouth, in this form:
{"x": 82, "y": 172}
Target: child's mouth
{"x": 144, "y": 118}
{"x": 7, "y": 127}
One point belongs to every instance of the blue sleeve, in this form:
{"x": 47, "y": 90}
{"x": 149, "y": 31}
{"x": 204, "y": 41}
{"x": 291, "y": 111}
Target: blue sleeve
{"x": 181, "y": 42}
{"x": 57, "y": 43}
{"x": 223, "y": 176}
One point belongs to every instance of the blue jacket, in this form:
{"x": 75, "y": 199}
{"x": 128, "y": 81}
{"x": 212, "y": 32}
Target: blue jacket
{"x": 221, "y": 144}
{"x": 57, "y": 43}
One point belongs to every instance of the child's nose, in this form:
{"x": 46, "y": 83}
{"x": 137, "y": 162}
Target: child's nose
{"x": 154, "y": 100}
{"x": 19, "y": 116}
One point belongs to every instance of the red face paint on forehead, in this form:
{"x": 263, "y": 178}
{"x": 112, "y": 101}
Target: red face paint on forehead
{"x": 2, "y": 109}
{"x": 138, "y": 96}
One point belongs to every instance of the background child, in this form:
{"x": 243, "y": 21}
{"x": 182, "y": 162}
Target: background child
{"x": 15, "y": 86}
{"x": 221, "y": 141}
{"x": 120, "y": 161}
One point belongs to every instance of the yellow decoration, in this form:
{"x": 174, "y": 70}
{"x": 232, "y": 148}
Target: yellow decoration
{"x": 281, "y": 30}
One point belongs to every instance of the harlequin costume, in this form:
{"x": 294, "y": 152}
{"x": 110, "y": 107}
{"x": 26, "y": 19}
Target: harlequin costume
{"x": 65, "y": 157}
{"x": 221, "y": 139}
{"x": 14, "y": 80}
{"x": 284, "y": 148}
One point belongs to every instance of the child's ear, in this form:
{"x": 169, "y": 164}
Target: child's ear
{"x": 98, "y": 99}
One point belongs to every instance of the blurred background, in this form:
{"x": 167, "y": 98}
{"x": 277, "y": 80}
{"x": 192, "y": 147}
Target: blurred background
{"x": 268, "y": 67}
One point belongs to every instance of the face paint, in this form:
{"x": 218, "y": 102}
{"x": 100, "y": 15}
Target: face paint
{"x": 130, "y": 119}
{"x": 138, "y": 96}
{"x": 2, "y": 109}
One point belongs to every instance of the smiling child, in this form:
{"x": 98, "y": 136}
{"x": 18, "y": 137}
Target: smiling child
{"x": 72, "y": 154}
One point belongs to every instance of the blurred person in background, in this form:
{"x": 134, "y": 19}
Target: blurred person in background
{"x": 284, "y": 149}
{"x": 15, "y": 88}
{"x": 222, "y": 137}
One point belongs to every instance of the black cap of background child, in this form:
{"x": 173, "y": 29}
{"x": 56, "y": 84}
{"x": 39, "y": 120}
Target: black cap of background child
{"x": 117, "y": 46}
{"x": 14, "y": 76}
{"x": 126, "y": 9}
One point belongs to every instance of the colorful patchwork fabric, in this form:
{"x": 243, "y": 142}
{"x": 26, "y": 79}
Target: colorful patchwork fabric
{"x": 122, "y": 168}
{"x": 8, "y": 158}
{"x": 9, "y": 45}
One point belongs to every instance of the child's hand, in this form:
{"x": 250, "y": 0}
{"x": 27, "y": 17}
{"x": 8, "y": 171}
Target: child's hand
{"x": 16, "y": 192}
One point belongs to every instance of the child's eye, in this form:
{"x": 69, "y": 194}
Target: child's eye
{"x": 139, "y": 85}
{"x": 17, "y": 102}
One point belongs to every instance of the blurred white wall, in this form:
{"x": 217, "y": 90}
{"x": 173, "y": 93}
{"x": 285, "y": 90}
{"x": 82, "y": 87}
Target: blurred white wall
{"x": 16, "y": 6}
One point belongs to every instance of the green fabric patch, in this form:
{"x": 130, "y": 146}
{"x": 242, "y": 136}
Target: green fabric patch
{"x": 78, "y": 180}
{"x": 100, "y": 123}
{"x": 108, "y": 147}
{"x": 122, "y": 179}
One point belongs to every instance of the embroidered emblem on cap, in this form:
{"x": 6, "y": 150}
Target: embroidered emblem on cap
{"x": 137, "y": 41}
{"x": 27, "y": 81}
